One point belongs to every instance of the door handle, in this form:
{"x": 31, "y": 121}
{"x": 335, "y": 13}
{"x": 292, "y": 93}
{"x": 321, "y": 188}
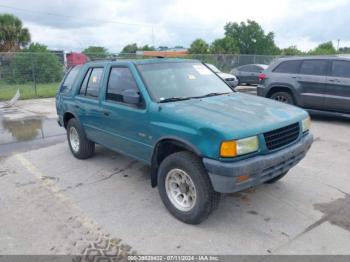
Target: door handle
{"x": 106, "y": 113}
{"x": 296, "y": 77}
{"x": 77, "y": 107}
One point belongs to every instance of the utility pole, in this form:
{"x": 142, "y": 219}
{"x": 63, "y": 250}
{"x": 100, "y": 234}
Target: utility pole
{"x": 338, "y": 45}
{"x": 153, "y": 37}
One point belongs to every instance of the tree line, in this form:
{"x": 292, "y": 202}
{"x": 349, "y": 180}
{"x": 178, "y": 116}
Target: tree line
{"x": 35, "y": 62}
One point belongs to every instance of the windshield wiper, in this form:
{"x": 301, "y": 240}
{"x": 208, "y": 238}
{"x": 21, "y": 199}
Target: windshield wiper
{"x": 174, "y": 99}
{"x": 213, "y": 94}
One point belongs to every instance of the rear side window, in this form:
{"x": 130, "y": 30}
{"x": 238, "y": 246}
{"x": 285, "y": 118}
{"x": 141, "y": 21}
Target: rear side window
{"x": 290, "y": 67}
{"x": 255, "y": 69}
{"x": 341, "y": 69}
{"x": 244, "y": 68}
{"x": 120, "y": 79}
{"x": 70, "y": 78}
{"x": 93, "y": 86}
{"x": 313, "y": 67}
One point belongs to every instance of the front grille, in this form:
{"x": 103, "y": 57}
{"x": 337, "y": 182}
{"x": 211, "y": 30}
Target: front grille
{"x": 279, "y": 137}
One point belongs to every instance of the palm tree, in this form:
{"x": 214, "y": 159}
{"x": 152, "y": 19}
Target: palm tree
{"x": 13, "y": 36}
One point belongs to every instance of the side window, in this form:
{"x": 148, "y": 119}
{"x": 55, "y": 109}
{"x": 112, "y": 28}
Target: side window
{"x": 84, "y": 84}
{"x": 244, "y": 68}
{"x": 291, "y": 67}
{"x": 313, "y": 67}
{"x": 256, "y": 69}
{"x": 341, "y": 68}
{"x": 120, "y": 79}
{"x": 93, "y": 86}
{"x": 70, "y": 78}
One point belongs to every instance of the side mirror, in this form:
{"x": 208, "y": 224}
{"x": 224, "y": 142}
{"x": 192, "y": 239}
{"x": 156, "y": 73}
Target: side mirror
{"x": 131, "y": 96}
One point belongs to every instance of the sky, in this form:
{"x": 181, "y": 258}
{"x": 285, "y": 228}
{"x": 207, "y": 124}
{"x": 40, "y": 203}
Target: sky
{"x": 73, "y": 25}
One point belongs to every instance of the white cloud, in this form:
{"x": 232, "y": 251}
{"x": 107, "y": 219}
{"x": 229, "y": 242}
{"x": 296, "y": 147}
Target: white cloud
{"x": 178, "y": 22}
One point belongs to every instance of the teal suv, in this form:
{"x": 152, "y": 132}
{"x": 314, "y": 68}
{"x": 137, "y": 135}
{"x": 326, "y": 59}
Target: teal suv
{"x": 199, "y": 136}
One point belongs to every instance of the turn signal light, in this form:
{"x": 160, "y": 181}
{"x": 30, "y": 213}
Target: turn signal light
{"x": 243, "y": 178}
{"x": 228, "y": 149}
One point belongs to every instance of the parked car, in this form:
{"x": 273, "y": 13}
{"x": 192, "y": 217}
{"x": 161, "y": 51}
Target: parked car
{"x": 199, "y": 137}
{"x": 231, "y": 80}
{"x": 314, "y": 83}
{"x": 248, "y": 74}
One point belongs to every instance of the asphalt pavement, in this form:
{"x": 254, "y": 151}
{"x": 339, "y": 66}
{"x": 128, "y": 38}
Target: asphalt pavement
{"x": 52, "y": 203}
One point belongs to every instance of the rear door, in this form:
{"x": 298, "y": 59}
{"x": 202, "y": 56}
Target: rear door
{"x": 87, "y": 103}
{"x": 337, "y": 93}
{"x": 312, "y": 83}
{"x": 244, "y": 74}
{"x": 254, "y": 74}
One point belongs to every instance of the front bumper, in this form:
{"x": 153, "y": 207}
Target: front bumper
{"x": 223, "y": 175}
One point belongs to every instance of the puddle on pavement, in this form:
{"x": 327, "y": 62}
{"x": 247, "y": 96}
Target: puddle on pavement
{"x": 27, "y": 129}
{"x": 336, "y": 212}
{"x": 24, "y": 129}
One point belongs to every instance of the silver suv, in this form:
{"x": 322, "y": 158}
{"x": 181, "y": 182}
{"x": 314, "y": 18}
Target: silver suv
{"x": 314, "y": 83}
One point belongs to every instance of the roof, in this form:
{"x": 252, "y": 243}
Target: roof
{"x": 142, "y": 61}
{"x": 328, "y": 57}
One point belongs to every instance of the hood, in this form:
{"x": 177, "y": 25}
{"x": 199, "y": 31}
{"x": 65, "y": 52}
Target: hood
{"x": 235, "y": 115}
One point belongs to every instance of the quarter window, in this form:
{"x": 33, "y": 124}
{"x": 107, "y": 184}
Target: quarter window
{"x": 341, "y": 69}
{"x": 71, "y": 76}
{"x": 290, "y": 67}
{"x": 120, "y": 79}
{"x": 313, "y": 67}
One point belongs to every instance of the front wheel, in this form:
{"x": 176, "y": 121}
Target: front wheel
{"x": 185, "y": 188}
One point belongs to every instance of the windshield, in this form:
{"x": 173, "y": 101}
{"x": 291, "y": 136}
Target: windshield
{"x": 181, "y": 80}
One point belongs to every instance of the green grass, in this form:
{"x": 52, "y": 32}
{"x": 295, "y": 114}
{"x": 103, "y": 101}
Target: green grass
{"x": 27, "y": 90}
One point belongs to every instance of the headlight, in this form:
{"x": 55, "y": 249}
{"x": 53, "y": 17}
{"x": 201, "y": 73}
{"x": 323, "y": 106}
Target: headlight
{"x": 243, "y": 146}
{"x": 306, "y": 123}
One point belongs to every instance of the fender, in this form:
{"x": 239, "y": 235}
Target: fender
{"x": 286, "y": 86}
{"x": 174, "y": 140}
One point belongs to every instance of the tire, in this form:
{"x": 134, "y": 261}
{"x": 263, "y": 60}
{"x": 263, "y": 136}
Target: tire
{"x": 79, "y": 145}
{"x": 189, "y": 171}
{"x": 284, "y": 97}
{"x": 275, "y": 179}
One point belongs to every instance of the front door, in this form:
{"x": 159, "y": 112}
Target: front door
{"x": 126, "y": 125}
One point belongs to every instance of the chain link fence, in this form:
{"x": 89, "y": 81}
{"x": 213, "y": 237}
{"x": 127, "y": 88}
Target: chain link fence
{"x": 38, "y": 74}
{"x": 33, "y": 74}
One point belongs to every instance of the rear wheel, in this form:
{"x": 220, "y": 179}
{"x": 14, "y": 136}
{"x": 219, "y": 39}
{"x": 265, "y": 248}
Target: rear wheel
{"x": 283, "y": 97}
{"x": 275, "y": 179}
{"x": 185, "y": 188}
{"x": 80, "y": 146}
